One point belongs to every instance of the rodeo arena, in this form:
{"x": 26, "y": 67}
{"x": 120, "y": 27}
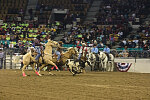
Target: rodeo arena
{"x": 74, "y": 50}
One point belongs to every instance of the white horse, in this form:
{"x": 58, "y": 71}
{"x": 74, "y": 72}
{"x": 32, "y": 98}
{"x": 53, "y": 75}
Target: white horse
{"x": 111, "y": 62}
{"x": 104, "y": 59}
{"x": 92, "y": 59}
{"x": 105, "y": 63}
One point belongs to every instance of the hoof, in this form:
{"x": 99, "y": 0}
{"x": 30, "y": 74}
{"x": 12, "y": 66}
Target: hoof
{"x": 58, "y": 70}
{"x": 74, "y": 74}
{"x": 40, "y": 75}
{"x": 24, "y": 75}
{"x": 51, "y": 74}
{"x": 37, "y": 73}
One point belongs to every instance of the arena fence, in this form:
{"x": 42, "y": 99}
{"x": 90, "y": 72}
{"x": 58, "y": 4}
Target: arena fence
{"x": 7, "y": 62}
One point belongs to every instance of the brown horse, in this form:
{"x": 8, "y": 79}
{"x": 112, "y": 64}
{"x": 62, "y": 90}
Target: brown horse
{"x": 47, "y": 57}
{"x": 67, "y": 55}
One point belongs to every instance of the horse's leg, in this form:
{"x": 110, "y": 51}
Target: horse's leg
{"x": 108, "y": 66}
{"x": 33, "y": 67}
{"x": 105, "y": 66}
{"x": 43, "y": 65}
{"x": 71, "y": 70}
{"x": 83, "y": 70}
{"x": 89, "y": 64}
{"x": 112, "y": 66}
{"x": 94, "y": 65}
{"x": 23, "y": 68}
{"x": 102, "y": 65}
{"x": 98, "y": 64}
{"x": 51, "y": 63}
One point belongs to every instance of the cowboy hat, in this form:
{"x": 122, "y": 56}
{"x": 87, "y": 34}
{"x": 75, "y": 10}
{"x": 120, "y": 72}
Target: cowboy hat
{"x": 60, "y": 42}
{"x": 83, "y": 44}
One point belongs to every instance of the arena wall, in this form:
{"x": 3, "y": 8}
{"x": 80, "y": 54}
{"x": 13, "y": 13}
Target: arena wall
{"x": 138, "y": 65}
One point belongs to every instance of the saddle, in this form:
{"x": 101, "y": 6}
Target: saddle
{"x": 55, "y": 56}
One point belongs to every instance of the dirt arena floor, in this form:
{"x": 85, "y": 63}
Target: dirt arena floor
{"x": 64, "y": 86}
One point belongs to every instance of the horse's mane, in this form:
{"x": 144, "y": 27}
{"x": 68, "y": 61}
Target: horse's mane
{"x": 69, "y": 48}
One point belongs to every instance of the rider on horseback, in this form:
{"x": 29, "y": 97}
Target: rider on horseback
{"x": 82, "y": 49}
{"x": 37, "y": 48}
{"x": 107, "y": 51}
{"x": 95, "y": 51}
{"x": 59, "y": 50}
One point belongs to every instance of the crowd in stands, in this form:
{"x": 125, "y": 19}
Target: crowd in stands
{"x": 122, "y": 11}
{"x": 144, "y": 44}
{"x": 90, "y": 32}
{"x": 10, "y": 10}
{"x": 22, "y": 35}
{"x": 77, "y": 9}
{"x": 139, "y": 40}
{"x": 112, "y": 23}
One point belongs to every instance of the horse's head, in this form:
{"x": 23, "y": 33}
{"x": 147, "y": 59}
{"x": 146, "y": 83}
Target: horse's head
{"x": 102, "y": 55}
{"x": 33, "y": 51}
{"x": 73, "y": 51}
{"x": 51, "y": 43}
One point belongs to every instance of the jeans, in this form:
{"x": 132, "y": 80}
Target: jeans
{"x": 58, "y": 54}
{"x": 38, "y": 50}
{"x": 79, "y": 57}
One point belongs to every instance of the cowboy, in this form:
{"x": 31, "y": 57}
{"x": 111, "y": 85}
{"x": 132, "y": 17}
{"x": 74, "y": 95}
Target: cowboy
{"x": 37, "y": 48}
{"x": 81, "y": 50}
{"x": 59, "y": 50}
{"x": 95, "y": 51}
{"x": 107, "y": 51}
{"x": 29, "y": 47}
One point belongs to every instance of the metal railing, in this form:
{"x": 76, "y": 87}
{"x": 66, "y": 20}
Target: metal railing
{"x": 132, "y": 53}
{"x": 10, "y": 53}
{"x": 8, "y": 58}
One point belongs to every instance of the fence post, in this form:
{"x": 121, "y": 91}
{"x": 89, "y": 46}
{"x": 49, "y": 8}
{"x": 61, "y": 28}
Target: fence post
{"x": 135, "y": 56}
{"x": 4, "y": 60}
{"x": 11, "y": 59}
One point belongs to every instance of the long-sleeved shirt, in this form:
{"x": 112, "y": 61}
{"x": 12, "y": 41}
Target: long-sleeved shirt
{"x": 59, "y": 48}
{"x": 1, "y": 55}
{"x": 94, "y": 50}
{"x": 107, "y": 50}
{"x": 81, "y": 49}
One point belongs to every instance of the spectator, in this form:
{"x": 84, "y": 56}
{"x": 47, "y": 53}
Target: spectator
{"x": 125, "y": 52}
{"x": 6, "y": 45}
{"x": 100, "y": 45}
